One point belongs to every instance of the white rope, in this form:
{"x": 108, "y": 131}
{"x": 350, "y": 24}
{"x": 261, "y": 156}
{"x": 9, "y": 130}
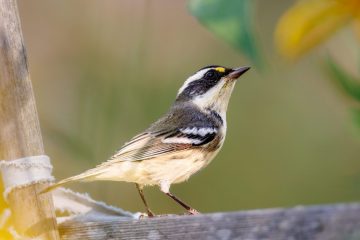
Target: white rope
{"x": 69, "y": 205}
{"x": 25, "y": 171}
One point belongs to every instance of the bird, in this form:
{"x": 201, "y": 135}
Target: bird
{"x": 179, "y": 144}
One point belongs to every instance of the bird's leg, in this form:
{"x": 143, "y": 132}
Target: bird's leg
{"x": 191, "y": 210}
{"x": 165, "y": 187}
{"x": 140, "y": 189}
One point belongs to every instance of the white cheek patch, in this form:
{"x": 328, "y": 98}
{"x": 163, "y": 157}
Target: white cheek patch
{"x": 207, "y": 99}
{"x": 192, "y": 78}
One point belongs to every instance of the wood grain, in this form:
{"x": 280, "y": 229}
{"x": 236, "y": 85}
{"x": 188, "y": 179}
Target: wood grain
{"x": 329, "y": 222}
{"x": 20, "y": 134}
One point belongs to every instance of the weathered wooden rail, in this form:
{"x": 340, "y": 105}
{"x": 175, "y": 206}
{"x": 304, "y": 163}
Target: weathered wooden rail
{"x": 326, "y": 222}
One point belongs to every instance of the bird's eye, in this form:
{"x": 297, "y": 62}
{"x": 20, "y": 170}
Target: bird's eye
{"x": 210, "y": 74}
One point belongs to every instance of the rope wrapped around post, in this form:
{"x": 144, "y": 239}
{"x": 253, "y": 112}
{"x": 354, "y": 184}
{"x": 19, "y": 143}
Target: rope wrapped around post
{"x": 69, "y": 205}
{"x": 23, "y": 172}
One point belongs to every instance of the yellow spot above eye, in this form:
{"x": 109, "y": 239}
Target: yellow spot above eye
{"x": 220, "y": 69}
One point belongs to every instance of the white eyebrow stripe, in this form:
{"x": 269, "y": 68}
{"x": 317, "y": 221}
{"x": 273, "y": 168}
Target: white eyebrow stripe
{"x": 192, "y": 78}
{"x": 198, "y": 131}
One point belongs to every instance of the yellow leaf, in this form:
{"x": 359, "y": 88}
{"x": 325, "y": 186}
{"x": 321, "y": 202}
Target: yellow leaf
{"x": 4, "y": 234}
{"x": 3, "y": 204}
{"x": 308, "y": 23}
{"x": 357, "y": 28}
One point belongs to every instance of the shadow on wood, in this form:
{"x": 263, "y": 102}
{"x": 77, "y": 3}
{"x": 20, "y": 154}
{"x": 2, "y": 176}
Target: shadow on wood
{"x": 340, "y": 221}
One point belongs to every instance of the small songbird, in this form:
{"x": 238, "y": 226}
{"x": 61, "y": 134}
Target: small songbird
{"x": 180, "y": 143}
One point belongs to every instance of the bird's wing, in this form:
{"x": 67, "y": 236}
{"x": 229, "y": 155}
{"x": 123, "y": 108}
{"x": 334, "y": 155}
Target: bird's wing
{"x": 150, "y": 145}
{"x": 177, "y": 131}
{"x": 144, "y": 146}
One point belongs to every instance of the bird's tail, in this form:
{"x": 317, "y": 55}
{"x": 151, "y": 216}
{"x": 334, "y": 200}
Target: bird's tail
{"x": 86, "y": 176}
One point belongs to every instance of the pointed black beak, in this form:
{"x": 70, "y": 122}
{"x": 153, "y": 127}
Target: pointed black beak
{"x": 237, "y": 72}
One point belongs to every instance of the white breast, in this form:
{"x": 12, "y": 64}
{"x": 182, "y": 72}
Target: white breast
{"x": 174, "y": 168}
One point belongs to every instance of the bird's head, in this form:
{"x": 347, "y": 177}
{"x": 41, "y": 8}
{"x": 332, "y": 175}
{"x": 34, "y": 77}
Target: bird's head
{"x": 210, "y": 87}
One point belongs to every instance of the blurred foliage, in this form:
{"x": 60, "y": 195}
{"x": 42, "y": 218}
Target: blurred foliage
{"x": 356, "y": 117}
{"x": 310, "y": 22}
{"x": 303, "y": 26}
{"x": 348, "y": 83}
{"x": 5, "y": 235}
{"x": 3, "y": 204}
{"x": 5, "y": 220}
{"x": 232, "y": 21}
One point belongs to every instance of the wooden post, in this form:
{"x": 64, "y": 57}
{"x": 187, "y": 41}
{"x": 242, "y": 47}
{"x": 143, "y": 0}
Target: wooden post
{"x": 20, "y": 135}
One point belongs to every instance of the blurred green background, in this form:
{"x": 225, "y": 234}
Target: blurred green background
{"x": 104, "y": 70}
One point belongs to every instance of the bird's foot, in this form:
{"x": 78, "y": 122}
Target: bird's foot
{"x": 149, "y": 214}
{"x": 192, "y": 211}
